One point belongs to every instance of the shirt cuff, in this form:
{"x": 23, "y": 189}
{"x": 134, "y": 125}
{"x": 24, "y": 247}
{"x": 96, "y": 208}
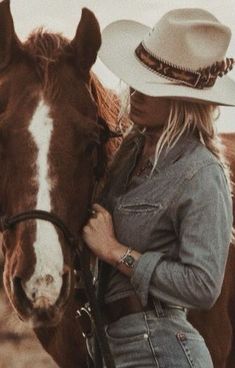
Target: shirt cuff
{"x": 142, "y": 274}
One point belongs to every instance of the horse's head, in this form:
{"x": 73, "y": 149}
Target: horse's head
{"x": 49, "y": 140}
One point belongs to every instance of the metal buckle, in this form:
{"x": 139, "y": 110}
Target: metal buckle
{"x": 86, "y": 321}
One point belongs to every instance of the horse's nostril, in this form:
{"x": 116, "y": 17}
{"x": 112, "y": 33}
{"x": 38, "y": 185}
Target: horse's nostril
{"x": 49, "y": 279}
{"x": 19, "y": 293}
{"x": 18, "y": 287}
{"x": 17, "y": 283}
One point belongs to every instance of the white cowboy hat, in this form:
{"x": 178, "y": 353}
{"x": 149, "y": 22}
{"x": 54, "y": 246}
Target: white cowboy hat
{"x": 183, "y": 56}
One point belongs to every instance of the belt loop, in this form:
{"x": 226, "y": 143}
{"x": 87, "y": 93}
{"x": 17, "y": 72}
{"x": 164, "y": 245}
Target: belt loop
{"x": 158, "y": 307}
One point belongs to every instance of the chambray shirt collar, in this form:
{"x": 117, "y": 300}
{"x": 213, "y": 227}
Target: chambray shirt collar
{"x": 133, "y": 149}
{"x": 168, "y": 156}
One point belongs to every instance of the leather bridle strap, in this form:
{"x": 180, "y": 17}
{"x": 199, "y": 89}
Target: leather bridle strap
{"x": 78, "y": 246}
{"x": 7, "y": 222}
{"x": 97, "y": 318}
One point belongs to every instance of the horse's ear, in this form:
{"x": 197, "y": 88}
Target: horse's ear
{"x": 87, "y": 41}
{"x": 8, "y": 38}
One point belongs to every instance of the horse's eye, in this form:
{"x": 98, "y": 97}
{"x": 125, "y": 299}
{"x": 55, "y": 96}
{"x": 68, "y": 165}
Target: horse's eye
{"x": 91, "y": 147}
{"x": 3, "y": 100}
{"x": 3, "y": 106}
{"x": 92, "y": 153}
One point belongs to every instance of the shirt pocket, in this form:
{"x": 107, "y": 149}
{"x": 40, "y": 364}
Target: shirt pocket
{"x": 136, "y": 223}
{"x": 139, "y": 207}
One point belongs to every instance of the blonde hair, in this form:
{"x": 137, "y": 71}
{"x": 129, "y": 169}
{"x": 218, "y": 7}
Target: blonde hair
{"x": 185, "y": 116}
{"x": 188, "y": 116}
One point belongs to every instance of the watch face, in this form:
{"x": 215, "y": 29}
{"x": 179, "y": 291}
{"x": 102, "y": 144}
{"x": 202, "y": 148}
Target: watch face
{"x": 129, "y": 261}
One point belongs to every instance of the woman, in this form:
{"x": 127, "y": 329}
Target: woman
{"x": 165, "y": 222}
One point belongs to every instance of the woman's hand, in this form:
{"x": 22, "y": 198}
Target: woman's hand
{"x": 99, "y": 235}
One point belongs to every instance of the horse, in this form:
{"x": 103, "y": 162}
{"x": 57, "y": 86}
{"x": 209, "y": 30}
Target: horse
{"x": 53, "y": 138}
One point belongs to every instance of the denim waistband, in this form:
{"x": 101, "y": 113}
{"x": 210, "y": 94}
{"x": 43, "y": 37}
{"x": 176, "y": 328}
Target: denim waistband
{"x": 161, "y": 307}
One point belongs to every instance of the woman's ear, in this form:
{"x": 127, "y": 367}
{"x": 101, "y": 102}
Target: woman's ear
{"x": 87, "y": 41}
{"x": 9, "y": 42}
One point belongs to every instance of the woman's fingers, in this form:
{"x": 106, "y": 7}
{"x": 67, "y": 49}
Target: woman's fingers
{"x": 98, "y": 207}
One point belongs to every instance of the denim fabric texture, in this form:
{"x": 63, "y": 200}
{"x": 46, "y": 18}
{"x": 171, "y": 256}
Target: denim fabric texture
{"x": 148, "y": 340}
{"x": 179, "y": 219}
{"x": 161, "y": 338}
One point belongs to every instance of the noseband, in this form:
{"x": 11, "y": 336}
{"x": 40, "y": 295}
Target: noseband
{"x": 7, "y": 223}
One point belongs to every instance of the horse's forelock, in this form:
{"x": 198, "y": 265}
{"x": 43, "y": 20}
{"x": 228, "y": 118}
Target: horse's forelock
{"x": 45, "y": 45}
{"x": 45, "y": 48}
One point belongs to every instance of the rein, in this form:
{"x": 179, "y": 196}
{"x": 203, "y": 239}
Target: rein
{"x": 80, "y": 249}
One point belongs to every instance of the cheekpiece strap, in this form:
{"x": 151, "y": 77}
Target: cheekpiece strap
{"x": 201, "y": 78}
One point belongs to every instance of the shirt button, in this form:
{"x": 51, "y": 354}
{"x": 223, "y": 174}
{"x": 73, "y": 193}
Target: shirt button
{"x": 181, "y": 336}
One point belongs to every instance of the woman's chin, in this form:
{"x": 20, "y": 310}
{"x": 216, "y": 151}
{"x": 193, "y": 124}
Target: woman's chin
{"x": 137, "y": 118}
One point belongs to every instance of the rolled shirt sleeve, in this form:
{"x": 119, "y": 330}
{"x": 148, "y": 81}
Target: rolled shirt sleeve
{"x": 202, "y": 218}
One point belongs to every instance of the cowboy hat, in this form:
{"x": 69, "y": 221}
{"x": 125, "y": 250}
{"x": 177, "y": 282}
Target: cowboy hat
{"x": 182, "y": 56}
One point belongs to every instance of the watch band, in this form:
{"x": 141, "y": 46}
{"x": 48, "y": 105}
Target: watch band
{"x": 127, "y": 259}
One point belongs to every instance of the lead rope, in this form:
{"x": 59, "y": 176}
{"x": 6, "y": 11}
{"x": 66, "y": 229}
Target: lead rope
{"x": 102, "y": 349}
{"x": 101, "y": 337}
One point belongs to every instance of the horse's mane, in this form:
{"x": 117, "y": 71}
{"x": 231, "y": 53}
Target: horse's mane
{"x": 108, "y": 104}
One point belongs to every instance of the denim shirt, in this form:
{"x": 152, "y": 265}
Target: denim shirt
{"x": 179, "y": 219}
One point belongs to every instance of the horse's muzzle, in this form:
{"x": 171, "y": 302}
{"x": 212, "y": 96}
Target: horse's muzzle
{"x": 40, "y": 313}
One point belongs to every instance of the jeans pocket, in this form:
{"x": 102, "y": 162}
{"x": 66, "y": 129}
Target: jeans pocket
{"x": 195, "y": 350}
{"x": 127, "y": 329}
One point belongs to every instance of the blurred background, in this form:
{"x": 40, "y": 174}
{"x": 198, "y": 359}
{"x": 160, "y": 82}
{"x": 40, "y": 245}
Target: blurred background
{"x": 18, "y": 347}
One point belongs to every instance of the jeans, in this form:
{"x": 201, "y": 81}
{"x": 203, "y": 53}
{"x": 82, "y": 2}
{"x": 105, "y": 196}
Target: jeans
{"x": 162, "y": 338}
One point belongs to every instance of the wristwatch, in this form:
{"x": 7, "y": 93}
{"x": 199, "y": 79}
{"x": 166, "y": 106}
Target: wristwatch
{"x": 127, "y": 259}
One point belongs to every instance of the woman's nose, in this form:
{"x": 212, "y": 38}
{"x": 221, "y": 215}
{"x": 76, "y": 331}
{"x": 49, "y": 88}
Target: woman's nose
{"x": 136, "y": 95}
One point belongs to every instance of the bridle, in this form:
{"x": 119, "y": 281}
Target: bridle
{"x": 8, "y": 222}
{"x": 80, "y": 249}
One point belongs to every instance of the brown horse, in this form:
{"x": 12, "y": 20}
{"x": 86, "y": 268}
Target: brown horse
{"x": 51, "y": 142}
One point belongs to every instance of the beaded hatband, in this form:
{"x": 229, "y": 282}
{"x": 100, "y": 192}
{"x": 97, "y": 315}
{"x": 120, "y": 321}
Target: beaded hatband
{"x": 201, "y": 78}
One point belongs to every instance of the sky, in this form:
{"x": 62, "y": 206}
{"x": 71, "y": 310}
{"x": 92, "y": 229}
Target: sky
{"x": 63, "y": 16}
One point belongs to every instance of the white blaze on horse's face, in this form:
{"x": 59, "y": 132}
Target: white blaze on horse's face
{"x": 46, "y": 282}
